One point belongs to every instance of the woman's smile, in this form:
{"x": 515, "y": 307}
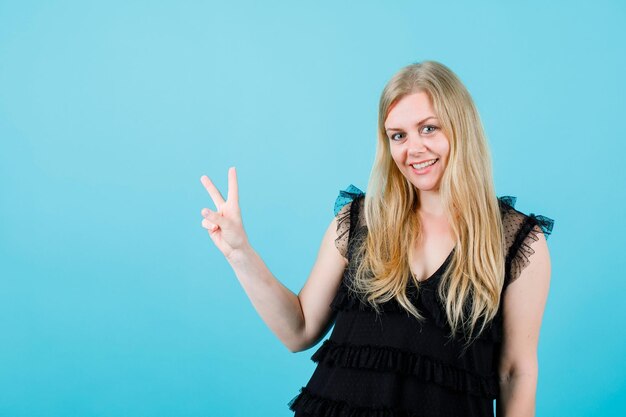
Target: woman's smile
{"x": 424, "y": 168}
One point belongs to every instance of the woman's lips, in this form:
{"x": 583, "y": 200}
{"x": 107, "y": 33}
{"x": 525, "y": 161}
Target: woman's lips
{"x": 424, "y": 170}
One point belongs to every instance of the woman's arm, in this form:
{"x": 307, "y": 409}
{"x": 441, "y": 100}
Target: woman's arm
{"x": 299, "y": 321}
{"x": 524, "y": 304}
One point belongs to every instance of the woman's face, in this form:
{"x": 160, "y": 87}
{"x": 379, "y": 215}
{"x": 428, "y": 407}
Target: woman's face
{"x": 415, "y": 136}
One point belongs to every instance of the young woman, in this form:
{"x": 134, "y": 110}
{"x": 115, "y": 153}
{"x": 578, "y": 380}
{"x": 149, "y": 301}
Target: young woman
{"x": 435, "y": 286}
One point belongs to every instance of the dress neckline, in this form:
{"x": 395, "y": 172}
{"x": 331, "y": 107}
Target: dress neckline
{"x": 438, "y": 272}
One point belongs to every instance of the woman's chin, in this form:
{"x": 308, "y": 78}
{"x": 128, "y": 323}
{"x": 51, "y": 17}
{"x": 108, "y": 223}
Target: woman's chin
{"x": 425, "y": 186}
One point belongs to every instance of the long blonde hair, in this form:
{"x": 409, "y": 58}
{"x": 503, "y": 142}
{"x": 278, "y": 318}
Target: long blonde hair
{"x": 475, "y": 273}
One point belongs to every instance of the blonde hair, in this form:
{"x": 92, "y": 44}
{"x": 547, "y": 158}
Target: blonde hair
{"x": 475, "y": 273}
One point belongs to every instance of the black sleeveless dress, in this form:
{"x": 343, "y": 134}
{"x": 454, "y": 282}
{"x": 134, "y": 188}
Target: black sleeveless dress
{"x": 389, "y": 364}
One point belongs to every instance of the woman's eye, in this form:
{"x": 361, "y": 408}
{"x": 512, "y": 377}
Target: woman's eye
{"x": 398, "y": 136}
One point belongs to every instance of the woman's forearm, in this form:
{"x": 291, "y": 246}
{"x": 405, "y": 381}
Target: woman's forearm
{"x": 278, "y": 306}
{"x": 517, "y": 396}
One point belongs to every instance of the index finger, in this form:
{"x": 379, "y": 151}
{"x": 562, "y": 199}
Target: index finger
{"x": 216, "y": 196}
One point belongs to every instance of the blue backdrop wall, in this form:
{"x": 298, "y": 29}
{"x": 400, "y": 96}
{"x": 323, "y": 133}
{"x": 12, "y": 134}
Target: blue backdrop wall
{"x": 113, "y": 299}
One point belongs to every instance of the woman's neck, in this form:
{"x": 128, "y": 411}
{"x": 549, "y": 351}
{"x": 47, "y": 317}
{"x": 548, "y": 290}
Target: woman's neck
{"x": 430, "y": 204}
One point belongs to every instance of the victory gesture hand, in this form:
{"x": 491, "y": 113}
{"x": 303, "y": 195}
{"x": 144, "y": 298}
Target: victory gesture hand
{"x": 224, "y": 226}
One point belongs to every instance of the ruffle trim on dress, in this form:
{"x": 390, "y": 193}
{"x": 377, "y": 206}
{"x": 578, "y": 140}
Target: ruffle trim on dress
{"x": 346, "y": 196}
{"x": 389, "y": 359}
{"x": 545, "y": 223}
{"x": 345, "y": 218}
{"x": 309, "y": 404}
{"x": 519, "y": 253}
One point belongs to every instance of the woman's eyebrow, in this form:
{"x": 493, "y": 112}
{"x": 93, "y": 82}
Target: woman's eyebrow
{"x": 418, "y": 123}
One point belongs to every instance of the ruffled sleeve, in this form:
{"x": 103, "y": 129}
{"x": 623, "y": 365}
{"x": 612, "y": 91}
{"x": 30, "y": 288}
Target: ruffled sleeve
{"x": 520, "y": 231}
{"x": 344, "y": 215}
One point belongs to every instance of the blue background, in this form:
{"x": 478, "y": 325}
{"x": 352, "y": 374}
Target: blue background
{"x": 114, "y": 300}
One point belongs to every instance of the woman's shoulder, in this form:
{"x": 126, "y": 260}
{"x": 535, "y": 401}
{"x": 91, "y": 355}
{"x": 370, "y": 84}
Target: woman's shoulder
{"x": 520, "y": 231}
{"x": 348, "y": 212}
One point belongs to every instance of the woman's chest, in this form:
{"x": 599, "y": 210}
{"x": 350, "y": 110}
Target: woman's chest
{"x": 431, "y": 250}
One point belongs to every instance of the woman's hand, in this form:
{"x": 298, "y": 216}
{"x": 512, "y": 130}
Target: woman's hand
{"x": 224, "y": 226}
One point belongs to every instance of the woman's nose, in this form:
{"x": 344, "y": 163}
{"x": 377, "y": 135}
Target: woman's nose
{"x": 416, "y": 143}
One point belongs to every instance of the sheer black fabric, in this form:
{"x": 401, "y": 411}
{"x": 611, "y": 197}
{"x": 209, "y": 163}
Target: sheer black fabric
{"x": 520, "y": 232}
{"x": 389, "y": 364}
{"x": 345, "y": 216}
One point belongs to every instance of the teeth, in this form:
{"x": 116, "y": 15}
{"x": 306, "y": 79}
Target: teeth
{"x": 424, "y": 164}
